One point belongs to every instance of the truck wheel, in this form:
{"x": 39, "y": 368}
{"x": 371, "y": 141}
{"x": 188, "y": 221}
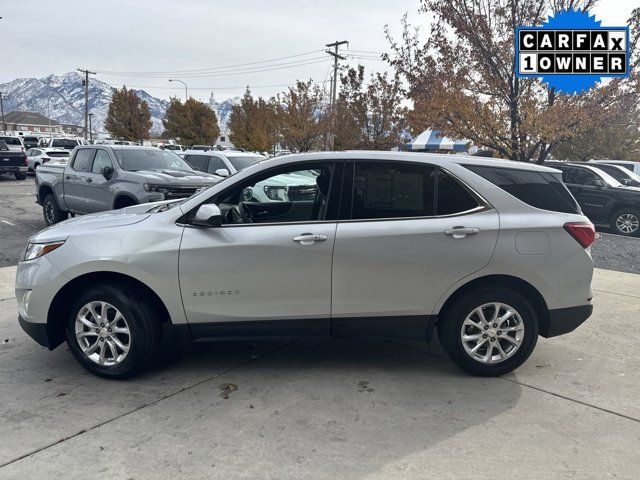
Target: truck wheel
{"x": 51, "y": 211}
{"x": 626, "y": 222}
{"x": 20, "y": 176}
{"x": 113, "y": 332}
{"x": 489, "y": 332}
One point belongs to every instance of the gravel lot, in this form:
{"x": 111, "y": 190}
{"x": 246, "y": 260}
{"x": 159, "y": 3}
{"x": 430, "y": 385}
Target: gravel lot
{"x": 21, "y": 217}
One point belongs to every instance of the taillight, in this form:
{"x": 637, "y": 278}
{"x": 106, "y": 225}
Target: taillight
{"x": 45, "y": 159}
{"x": 24, "y": 159}
{"x": 583, "y": 232}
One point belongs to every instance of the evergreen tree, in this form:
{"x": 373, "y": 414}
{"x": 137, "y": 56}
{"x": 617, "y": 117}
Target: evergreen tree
{"x": 128, "y": 117}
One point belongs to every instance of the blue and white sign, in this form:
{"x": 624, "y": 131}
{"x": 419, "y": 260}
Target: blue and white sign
{"x": 571, "y": 51}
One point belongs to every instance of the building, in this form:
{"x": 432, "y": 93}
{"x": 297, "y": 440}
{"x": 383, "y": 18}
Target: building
{"x": 223, "y": 139}
{"x": 30, "y": 122}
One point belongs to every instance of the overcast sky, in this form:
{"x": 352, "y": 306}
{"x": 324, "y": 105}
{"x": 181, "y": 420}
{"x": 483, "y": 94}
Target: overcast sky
{"x": 40, "y": 37}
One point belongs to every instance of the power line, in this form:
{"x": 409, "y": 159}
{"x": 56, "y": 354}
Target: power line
{"x": 251, "y": 87}
{"x": 280, "y": 66}
{"x": 210, "y": 69}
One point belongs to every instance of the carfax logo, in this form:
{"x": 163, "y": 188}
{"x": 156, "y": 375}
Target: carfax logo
{"x": 571, "y": 52}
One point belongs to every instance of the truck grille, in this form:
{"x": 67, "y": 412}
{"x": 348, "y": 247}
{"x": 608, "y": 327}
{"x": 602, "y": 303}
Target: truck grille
{"x": 301, "y": 193}
{"x": 181, "y": 192}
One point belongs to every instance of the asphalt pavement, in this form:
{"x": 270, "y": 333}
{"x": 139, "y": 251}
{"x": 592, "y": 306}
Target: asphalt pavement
{"x": 21, "y": 217}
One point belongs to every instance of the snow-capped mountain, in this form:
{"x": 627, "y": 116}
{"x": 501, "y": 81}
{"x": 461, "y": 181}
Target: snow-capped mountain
{"x": 61, "y": 97}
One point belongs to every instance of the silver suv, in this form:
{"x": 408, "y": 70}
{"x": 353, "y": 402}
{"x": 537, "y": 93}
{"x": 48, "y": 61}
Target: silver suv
{"x": 488, "y": 253}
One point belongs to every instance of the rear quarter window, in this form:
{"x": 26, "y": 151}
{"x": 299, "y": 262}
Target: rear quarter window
{"x": 543, "y": 190}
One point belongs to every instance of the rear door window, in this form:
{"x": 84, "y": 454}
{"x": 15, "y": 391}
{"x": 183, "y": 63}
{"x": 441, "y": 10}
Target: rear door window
{"x": 82, "y": 162}
{"x": 216, "y": 163}
{"x": 393, "y": 190}
{"x": 452, "y": 197}
{"x": 543, "y": 190}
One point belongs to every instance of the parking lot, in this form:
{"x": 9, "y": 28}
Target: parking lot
{"x": 374, "y": 409}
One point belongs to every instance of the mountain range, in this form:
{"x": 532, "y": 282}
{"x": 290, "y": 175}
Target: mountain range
{"x": 61, "y": 97}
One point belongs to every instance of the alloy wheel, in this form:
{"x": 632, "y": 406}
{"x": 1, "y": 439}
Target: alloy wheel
{"x": 102, "y": 333}
{"x": 492, "y": 333}
{"x": 627, "y": 223}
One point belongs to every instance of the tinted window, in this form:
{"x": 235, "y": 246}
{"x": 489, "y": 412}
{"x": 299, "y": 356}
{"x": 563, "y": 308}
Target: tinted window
{"x": 393, "y": 190}
{"x": 82, "y": 161}
{"x": 58, "y": 154}
{"x": 543, "y": 190}
{"x": 615, "y": 172}
{"x": 64, "y": 143}
{"x": 12, "y": 141}
{"x": 216, "y": 163}
{"x": 197, "y": 162}
{"x": 240, "y": 163}
{"x": 452, "y": 197}
{"x": 102, "y": 160}
{"x": 579, "y": 176}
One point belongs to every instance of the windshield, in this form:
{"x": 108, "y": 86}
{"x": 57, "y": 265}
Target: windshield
{"x": 240, "y": 163}
{"x": 12, "y": 141}
{"x": 150, "y": 159}
{"x": 612, "y": 182}
{"x": 64, "y": 143}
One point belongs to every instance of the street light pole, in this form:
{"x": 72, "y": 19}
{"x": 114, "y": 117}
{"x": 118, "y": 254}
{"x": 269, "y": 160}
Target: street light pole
{"x": 186, "y": 93}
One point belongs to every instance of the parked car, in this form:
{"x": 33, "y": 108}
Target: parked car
{"x": 105, "y": 177}
{"x": 30, "y": 141}
{"x": 602, "y": 198}
{"x": 620, "y": 173}
{"x": 66, "y": 143}
{"x": 172, "y": 147}
{"x": 628, "y": 164}
{"x": 39, "y": 156}
{"x": 491, "y": 253}
{"x": 223, "y": 163}
{"x": 13, "y": 143}
{"x": 12, "y": 162}
{"x": 201, "y": 147}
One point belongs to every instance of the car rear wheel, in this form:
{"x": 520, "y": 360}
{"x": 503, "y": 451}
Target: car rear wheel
{"x": 113, "y": 332}
{"x": 20, "y": 176}
{"x": 51, "y": 211}
{"x": 626, "y": 222}
{"x": 490, "y": 332}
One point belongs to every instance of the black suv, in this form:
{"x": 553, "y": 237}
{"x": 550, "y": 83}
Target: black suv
{"x": 603, "y": 199}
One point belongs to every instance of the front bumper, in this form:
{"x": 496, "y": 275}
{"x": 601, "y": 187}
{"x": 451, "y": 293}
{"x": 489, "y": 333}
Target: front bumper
{"x": 37, "y": 331}
{"x": 564, "y": 320}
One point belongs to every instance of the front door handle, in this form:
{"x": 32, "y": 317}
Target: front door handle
{"x": 67, "y": 177}
{"x": 461, "y": 232}
{"x": 309, "y": 238}
{"x": 88, "y": 179}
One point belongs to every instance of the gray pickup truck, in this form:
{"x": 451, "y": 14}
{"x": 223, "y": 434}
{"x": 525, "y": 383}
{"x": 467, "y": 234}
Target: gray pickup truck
{"x": 106, "y": 177}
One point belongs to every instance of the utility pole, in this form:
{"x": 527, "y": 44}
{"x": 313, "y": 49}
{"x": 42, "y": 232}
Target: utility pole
{"x": 4, "y": 123}
{"x": 141, "y": 116}
{"x": 334, "y": 87}
{"x": 91, "y": 128}
{"x": 86, "y": 98}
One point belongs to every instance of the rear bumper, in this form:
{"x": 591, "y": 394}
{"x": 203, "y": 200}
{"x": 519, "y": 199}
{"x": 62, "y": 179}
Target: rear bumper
{"x": 13, "y": 169}
{"x": 564, "y": 320}
{"x": 37, "y": 331}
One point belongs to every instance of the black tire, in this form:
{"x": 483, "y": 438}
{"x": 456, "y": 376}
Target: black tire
{"x": 631, "y": 228}
{"x": 141, "y": 317}
{"x": 450, "y": 329}
{"x": 20, "y": 176}
{"x": 51, "y": 211}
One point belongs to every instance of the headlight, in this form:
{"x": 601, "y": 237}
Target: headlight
{"x": 155, "y": 188}
{"x": 274, "y": 193}
{"x": 35, "y": 250}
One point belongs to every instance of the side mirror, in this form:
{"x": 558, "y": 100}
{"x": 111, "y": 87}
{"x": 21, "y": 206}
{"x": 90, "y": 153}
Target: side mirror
{"x": 107, "y": 171}
{"x": 626, "y": 182}
{"x": 222, "y": 172}
{"x": 208, "y": 215}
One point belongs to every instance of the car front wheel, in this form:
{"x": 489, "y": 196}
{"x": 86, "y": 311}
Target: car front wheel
{"x": 490, "y": 332}
{"x": 113, "y": 332}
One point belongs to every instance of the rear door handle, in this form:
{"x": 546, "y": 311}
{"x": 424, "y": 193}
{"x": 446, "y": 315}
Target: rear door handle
{"x": 88, "y": 179}
{"x": 67, "y": 177}
{"x": 461, "y": 232}
{"x": 309, "y": 238}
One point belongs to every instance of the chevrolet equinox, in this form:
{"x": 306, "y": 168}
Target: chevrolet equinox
{"x": 487, "y": 253}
